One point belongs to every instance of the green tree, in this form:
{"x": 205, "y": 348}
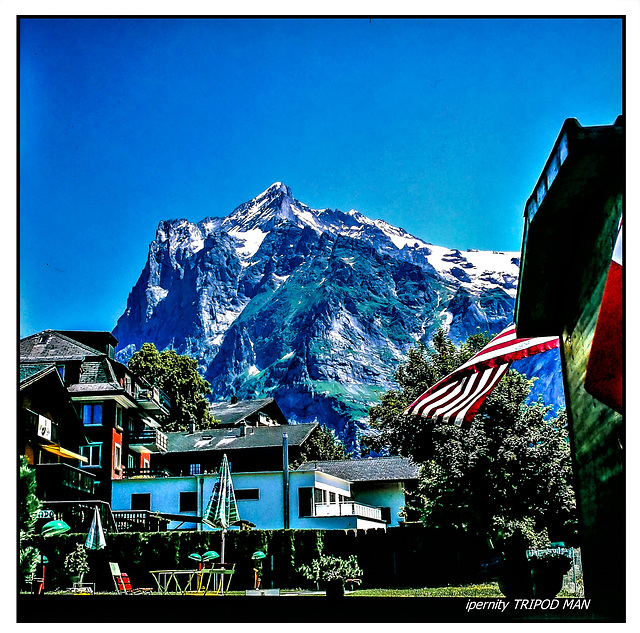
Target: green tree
{"x": 510, "y": 471}
{"x": 322, "y": 445}
{"x": 178, "y": 376}
{"x": 28, "y": 508}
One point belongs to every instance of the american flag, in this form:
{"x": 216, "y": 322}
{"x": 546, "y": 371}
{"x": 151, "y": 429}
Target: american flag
{"x": 457, "y": 397}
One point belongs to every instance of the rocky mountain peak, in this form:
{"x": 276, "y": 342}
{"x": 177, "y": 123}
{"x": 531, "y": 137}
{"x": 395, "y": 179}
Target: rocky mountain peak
{"x": 315, "y": 308}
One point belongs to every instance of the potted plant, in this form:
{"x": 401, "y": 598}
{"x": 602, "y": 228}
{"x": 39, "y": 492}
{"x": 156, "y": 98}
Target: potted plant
{"x": 332, "y": 572}
{"x": 76, "y": 563}
{"x": 547, "y": 571}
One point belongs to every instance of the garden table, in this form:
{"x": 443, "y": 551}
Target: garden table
{"x": 191, "y": 581}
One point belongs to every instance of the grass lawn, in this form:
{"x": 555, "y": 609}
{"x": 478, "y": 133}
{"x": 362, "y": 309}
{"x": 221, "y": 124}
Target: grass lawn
{"x": 485, "y": 590}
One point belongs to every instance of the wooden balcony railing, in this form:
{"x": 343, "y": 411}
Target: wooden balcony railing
{"x": 61, "y": 481}
{"x": 149, "y": 439}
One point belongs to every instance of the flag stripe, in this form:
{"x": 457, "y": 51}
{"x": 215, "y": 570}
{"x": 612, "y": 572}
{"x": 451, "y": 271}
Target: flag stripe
{"x": 457, "y": 397}
{"x": 474, "y": 404}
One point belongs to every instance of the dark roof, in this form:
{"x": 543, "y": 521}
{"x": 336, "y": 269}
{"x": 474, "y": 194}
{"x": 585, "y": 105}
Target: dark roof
{"x": 233, "y": 413}
{"x": 33, "y": 371}
{"x": 49, "y": 347}
{"x": 370, "y": 469}
{"x": 225, "y": 439}
{"x": 53, "y": 346}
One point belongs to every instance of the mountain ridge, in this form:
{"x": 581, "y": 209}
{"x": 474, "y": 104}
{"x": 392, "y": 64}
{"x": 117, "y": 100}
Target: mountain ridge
{"x": 313, "y": 307}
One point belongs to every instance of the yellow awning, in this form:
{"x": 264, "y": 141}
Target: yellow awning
{"x": 63, "y": 452}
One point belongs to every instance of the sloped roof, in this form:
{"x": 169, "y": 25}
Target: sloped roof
{"x": 33, "y": 371}
{"x": 371, "y": 469}
{"x": 53, "y": 346}
{"x": 225, "y": 439}
{"x": 233, "y": 413}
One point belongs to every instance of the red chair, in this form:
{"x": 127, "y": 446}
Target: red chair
{"x": 123, "y": 584}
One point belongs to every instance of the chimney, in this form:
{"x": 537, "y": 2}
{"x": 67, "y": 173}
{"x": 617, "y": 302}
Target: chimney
{"x": 234, "y": 399}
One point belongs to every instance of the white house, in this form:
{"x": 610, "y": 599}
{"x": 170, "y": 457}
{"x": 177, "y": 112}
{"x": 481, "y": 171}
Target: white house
{"x": 359, "y": 494}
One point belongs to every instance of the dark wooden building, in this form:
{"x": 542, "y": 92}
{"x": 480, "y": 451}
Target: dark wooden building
{"x": 572, "y": 221}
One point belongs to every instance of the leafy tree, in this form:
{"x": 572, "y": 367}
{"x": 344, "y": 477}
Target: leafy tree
{"x": 511, "y": 471}
{"x": 28, "y": 508}
{"x": 177, "y": 375}
{"x": 322, "y": 445}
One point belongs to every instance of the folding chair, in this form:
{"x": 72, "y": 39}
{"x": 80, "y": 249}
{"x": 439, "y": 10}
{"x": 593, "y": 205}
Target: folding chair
{"x": 123, "y": 584}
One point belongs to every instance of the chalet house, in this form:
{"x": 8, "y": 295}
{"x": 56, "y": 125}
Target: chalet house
{"x": 248, "y": 448}
{"x": 50, "y": 434}
{"x": 572, "y": 223}
{"x": 120, "y": 414}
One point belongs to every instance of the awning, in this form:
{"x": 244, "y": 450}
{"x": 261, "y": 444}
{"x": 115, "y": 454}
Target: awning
{"x": 63, "y": 452}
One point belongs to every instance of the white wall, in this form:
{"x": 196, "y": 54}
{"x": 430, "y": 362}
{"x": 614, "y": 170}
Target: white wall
{"x": 265, "y": 512}
{"x": 381, "y": 495}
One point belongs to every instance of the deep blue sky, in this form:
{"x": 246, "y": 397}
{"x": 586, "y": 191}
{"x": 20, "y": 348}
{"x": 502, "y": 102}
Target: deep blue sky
{"x": 439, "y": 126}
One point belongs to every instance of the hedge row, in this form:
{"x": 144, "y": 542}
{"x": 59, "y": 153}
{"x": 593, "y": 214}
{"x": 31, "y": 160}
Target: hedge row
{"x": 404, "y": 556}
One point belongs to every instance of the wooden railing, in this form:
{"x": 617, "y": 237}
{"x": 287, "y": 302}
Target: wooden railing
{"x": 152, "y": 439}
{"x": 60, "y": 477}
{"x": 139, "y": 521}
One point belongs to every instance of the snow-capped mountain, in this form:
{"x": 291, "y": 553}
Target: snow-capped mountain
{"x": 314, "y": 307}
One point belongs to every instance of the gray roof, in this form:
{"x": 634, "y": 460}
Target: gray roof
{"x": 369, "y": 469}
{"x": 225, "y": 439}
{"x": 233, "y": 413}
{"x": 33, "y": 371}
{"x": 53, "y": 346}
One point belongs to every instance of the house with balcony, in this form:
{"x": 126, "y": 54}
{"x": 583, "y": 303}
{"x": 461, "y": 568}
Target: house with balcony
{"x": 572, "y": 222}
{"x": 310, "y": 497}
{"x": 120, "y": 415}
{"x": 50, "y": 434}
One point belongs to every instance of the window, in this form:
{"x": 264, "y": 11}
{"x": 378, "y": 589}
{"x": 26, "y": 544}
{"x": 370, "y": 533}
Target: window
{"x": 305, "y": 495}
{"x": 131, "y": 461}
{"x": 92, "y": 453}
{"x": 319, "y": 495}
{"x": 245, "y": 494}
{"x": 188, "y": 501}
{"x": 141, "y": 501}
{"x": 332, "y": 497}
{"x": 118, "y": 418}
{"x": 386, "y": 514}
{"x": 92, "y": 414}
{"x": 60, "y": 369}
{"x": 194, "y": 469}
{"x": 117, "y": 456}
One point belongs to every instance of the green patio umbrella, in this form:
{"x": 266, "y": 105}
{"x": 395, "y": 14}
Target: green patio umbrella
{"x": 52, "y": 528}
{"x": 222, "y": 509}
{"x": 95, "y": 537}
